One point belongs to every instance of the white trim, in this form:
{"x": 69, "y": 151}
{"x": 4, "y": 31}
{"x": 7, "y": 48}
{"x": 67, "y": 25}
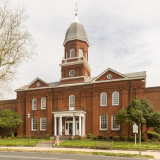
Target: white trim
{"x": 71, "y": 108}
{"x": 73, "y": 77}
{"x": 107, "y": 122}
{"x": 80, "y": 49}
{"x": 41, "y": 126}
{"x": 45, "y": 104}
{"x": 112, "y": 124}
{"x": 101, "y": 99}
{"x": 113, "y": 98}
{"x": 32, "y": 124}
{"x": 33, "y": 104}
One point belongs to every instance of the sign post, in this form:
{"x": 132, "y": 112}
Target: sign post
{"x": 135, "y": 130}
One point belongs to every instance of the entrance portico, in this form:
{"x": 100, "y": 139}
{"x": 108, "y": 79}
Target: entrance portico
{"x": 69, "y": 126}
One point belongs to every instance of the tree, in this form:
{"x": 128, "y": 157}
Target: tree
{"x": 131, "y": 114}
{"x": 10, "y": 119}
{"x": 16, "y": 44}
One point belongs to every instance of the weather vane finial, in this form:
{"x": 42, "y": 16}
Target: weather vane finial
{"x": 76, "y": 9}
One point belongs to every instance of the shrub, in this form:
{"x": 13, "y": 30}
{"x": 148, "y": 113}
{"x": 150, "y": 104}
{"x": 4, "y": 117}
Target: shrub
{"x": 47, "y": 136}
{"x": 40, "y": 137}
{"x": 154, "y": 139}
{"x": 18, "y": 137}
{"x": 33, "y": 137}
{"x": 143, "y": 139}
{"x": 94, "y": 138}
{"x": 25, "y": 137}
{"x": 9, "y": 137}
{"x": 115, "y": 138}
{"x": 100, "y": 137}
{"x": 105, "y": 138}
{"x": 15, "y": 134}
{"x": 79, "y": 138}
{"x": 0, "y": 136}
{"x": 131, "y": 138}
{"x": 153, "y": 135}
{"x": 111, "y": 137}
{"x": 89, "y": 136}
{"x": 122, "y": 138}
{"x": 4, "y": 137}
{"x": 12, "y": 137}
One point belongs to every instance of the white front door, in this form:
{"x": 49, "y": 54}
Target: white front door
{"x": 69, "y": 127}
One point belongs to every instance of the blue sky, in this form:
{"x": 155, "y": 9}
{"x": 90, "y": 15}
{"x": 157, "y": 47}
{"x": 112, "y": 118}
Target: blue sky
{"x": 124, "y": 35}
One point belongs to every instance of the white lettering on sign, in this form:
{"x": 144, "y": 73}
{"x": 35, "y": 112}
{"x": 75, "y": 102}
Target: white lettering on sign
{"x": 135, "y": 128}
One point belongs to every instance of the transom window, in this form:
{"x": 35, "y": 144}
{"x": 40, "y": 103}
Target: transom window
{"x": 72, "y": 53}
{"x": 43, "y": 123}
{"x": 71, "y": 102}
{"x": 115, "y": 98}
{"x": 43, "y": 103}
{"x": 103, "y": 122}
{"x": 34, "y": 124}
{"x": 80, "y": 53}
{"x": 114, "y": 125}
{"x": 34, "y": 104}
{"x": 103, "y": 99}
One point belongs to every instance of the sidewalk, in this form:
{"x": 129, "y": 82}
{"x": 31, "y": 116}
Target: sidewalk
{"x": 156, "y": 154}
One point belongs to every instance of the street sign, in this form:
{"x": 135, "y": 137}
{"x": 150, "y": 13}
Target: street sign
{"x": 135, "y": 128}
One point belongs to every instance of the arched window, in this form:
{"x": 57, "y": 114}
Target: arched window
{"x": 72, "y": 53}
{"x": 43, "y": 103}
{"x": 66, "y": 55}
{"x": 71, "y": 102}
{"x": 103, "y": 99}
{"x": 86, "y": 56}
{"x": 34, "y": 104}
{"x": 80, "y": 53}
{"x": 115, "y": 98}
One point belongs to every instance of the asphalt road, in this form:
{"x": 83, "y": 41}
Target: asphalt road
{"x": 57, "y": 156}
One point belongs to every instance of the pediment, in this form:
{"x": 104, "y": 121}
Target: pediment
{"x": 37, "y": 83}
{"x": 109, "y": 74}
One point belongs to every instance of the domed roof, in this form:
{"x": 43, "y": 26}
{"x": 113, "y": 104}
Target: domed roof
{"x": 76, "y": 31}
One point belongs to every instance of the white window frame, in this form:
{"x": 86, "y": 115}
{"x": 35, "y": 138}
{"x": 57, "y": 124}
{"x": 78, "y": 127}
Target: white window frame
{"x": 33, "y": 104}
{"x": 41, "y": 124}
{"x": 113, "y": 98}
{"x": 32, "y": 124}
{"x": 71, "y": 108}
{"x": 101, "y": 99}
{"x": 71, "y": 54}
{"x": 80, "y": 51}
{"x": 107, "y": 123}
{"x": 112, "y": 123}
{"x": 42, "y": 103}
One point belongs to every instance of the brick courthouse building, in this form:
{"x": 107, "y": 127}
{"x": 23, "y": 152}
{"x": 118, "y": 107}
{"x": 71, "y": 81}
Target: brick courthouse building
{"x": 96, "y": 100}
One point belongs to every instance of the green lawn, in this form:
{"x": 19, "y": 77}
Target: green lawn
{"x": 13, "y": 142}
{"x": 116, "y": 144}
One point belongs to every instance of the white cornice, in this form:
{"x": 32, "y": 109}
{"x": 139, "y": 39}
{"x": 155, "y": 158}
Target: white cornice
{"x": 73, "y": 77}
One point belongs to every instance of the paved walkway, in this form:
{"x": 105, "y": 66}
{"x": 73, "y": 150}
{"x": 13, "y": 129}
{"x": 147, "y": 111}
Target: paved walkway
{"x": 156, "y": 154}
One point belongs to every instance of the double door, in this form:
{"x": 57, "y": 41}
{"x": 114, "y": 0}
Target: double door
{"x": 69, "y": 128}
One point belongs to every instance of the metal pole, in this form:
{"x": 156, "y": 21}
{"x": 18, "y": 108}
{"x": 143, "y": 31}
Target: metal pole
{"x": 75, "y": 128}
{"x": 135, "y": 139}
{"x": 28, "y": 129}
{"x": 140, "y": 136}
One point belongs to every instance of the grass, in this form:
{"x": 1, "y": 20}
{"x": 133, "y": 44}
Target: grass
{"x": 17, "y": 142}
{"x": 81, "y": 152}
{"x": 116, "y": 144}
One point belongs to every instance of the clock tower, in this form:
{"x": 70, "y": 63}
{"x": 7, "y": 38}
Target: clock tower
{"x": 75, "y": 67}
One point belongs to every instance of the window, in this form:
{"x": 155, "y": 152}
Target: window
{"x": 34, "y": 104}
{"x": 80, "y": 53}
{"x": 114, "y": 125}
{"x": 115, "y": 98}
{"x": 67, "y": 126}
{"x": 103, "y": 122}
{"x": 34, "y": 124}
{"x": 72, "y": 53}
{"x": 43, "y": 123}
{"x": 43, "y": 103}
{"x": 103, "y": 99}
{"x": 71, "y": 102}
{"x": 66, "y": 55}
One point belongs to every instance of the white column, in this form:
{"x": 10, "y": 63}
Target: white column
{"x": 55, "y": 126}
{"x": 60, "y": 126}
{"x": 83, "y": 126}
{"x": 73, "y": 128}
{"x": 79, "y": 125}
